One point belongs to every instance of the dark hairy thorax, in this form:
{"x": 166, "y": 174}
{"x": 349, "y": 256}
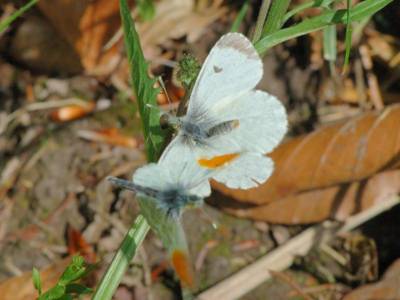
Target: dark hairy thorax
{"x": 199, "y": 134}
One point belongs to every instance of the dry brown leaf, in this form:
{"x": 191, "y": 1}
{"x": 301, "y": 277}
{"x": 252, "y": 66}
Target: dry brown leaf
{"x": 386, "y": 289}
{"x": 87, "y": 25}
{"x": 93, "y": 28}
{"x": 111, "y": 136}
{"x": 72, "y": 112}
{"x": 337, "y": 202}
{"x": 21, "y": 287}
{"x": 307, "y": 185}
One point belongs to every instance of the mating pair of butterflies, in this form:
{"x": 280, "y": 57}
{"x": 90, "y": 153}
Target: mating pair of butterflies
{"x": 228, "y": 127}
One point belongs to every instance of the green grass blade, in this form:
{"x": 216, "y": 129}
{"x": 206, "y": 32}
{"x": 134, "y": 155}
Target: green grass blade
{"x": 143, "y": 86}
{"x": 301, "y": 7}
{"x": 121, "y": 260}
{"x": 275, "y": 16}
{"x": 330, "y": 47}
{"x": 10, "y": 19}
{"x": 262, "y": 15}
{"x": 240, "y": 16}
{"x": 347, "y": 38}
{"x": 357, "y": 13}
{"x": 146, "y": 94}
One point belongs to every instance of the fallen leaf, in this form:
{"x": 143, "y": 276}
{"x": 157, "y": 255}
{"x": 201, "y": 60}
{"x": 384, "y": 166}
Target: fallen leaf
{"x": 21, "y": 287}
{"x": 326, "y": 173}
{"x": 93, "y": 28}
{"x": 87, "y": 26}
{"x": 110, "y": 136}
{"x": 386, "y": 289}
{"x": 72, "y": 112}
{"x": 37, "y": 45}
{"x": 337, "y": 202}
{"x": 78, "y": 245}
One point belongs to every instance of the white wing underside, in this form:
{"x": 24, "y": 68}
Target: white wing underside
{"x": 247, "y": 171}
{"x": 181, "y": 162}
{"x": 232, "y": 67}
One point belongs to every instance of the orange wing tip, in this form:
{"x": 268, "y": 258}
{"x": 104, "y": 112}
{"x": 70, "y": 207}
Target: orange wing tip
{"x": 182, "y": 267}
{"x": 217, "y": 161}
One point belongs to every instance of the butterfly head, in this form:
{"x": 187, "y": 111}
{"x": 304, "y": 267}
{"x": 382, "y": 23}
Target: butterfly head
{"x": 168, "y": 120}
{"x": 175, "y": 201}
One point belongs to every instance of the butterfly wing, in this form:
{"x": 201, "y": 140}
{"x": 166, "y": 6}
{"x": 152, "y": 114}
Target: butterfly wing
{"x": 246, "y": 171}
{"x": 153, "y": 176}
{"x": 180, "y": 159}
{"x": 262, "y": 121}
{"x": 232, "y": 68}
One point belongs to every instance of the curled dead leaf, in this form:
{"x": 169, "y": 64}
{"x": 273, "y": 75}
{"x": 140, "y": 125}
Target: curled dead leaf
{"x": 337, "y": 202}
{"x": 327, "y": 173}
{"x": 78, "y": 245}
{"x": 87, "y": 26}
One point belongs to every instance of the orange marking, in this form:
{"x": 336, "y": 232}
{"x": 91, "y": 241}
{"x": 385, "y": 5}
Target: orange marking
{"x": 182, "y": 267}
{"x": 217, "y": 161}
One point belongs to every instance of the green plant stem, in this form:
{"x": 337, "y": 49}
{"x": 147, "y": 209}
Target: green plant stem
{"x": 10, "y": 19}
{"x": 146, "y": 94}
{"x": 121, "y": 260}
{"x": 262, "y": 15}
{"x": 275, "y": 16}
{"x": 358, "y": 13}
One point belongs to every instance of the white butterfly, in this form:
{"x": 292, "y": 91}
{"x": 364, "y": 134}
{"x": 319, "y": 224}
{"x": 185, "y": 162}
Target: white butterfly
{"x": 229, "y": 125}
{"x": 172, "y": 183}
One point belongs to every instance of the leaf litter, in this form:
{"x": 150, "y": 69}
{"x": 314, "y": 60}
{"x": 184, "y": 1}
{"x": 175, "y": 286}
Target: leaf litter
{"x": 344, "y": 167}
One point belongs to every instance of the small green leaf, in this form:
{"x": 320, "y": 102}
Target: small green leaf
{"x": 54, "y": 293}
{"x": 76, "y": 270}
{"x": 240, "y": 16}
{"x": 10, "y": 19}
{"x": 146, "y": 9}
{"x": 37, "y": 283}
{"x": 79, "y": 289}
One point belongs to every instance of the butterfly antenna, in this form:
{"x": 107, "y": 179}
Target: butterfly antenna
{"x": 161, "y": 82}
{"x": 122, "y": 183}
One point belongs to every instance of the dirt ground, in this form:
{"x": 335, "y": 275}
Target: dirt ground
{"x": 55, "y": 201}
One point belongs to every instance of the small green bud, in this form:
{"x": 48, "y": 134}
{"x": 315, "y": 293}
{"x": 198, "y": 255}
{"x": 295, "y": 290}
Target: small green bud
{"x": 189, "y": 68}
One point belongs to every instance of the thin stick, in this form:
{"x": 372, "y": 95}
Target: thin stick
{"x": 282, "y": 257}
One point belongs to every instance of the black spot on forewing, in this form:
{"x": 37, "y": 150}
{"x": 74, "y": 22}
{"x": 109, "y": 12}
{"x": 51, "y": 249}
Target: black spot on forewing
{"x": 217, "y": 69}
